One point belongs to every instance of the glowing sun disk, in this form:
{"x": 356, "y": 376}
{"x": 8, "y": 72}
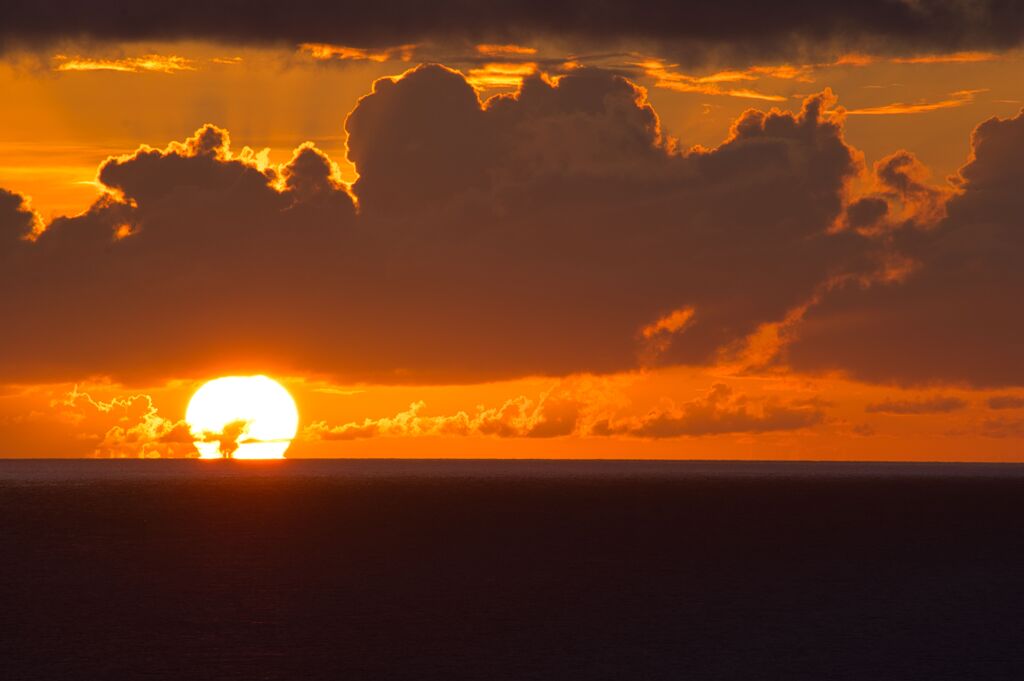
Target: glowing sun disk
{"x": 242, "y": 417}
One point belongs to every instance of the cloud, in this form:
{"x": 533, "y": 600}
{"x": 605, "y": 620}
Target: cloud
{"x": 900, "y": 196}
{"x": 229, "y": 438}
{"x": 500, "y": 74}
{"x": 581, "y": 409}
{"x": 551, "y": 231}
{"x": 658, "y": 336}
{"x": 1006, "y": 402}
{"x": 536, "y": 233}
{"x": 667, "y": 77}
{"x": 505, "y": 50}
{"x": 1003, "y": 428}
{"x": 554, "y": 414}
{"x": 134, "y": 428}
{"x": 18, "y": 222}
{"x": 952, "y": 101}
{"x": 952, "y": 316}
{"x": 863, "y": 430}
{"x": 940, "y": 57}
{"x": 938, "y": 404}
{"x": 327, "y": 52}
{"x": 673, "y": 322}
{"x": 154, "y": 63}
{"x": 692, "y": 31}
{"x": 952, "y": 58}
{"x": 721, "y": 411}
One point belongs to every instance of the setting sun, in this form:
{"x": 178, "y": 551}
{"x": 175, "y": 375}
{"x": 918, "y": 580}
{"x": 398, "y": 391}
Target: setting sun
{"x": 242, "y": 417}
{"x": 626, "y": 338}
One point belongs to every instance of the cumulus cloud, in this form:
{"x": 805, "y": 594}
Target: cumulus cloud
{"x": 552, "y": 231}
{"x": 552, "y": 415}
{"x": 189, "y": 241}
{"x": 535, "y": 233}
{"x": 721, "y": 411}
{"x": 691, "y": 31}
{"x": 732, "y": 83}
{"x": 571, "y": 410}
{"x": 937, "y": 404}
{"x": 18, "y": 222}
{"x": 148, "y": 63}
{"x": 951, "y": 314}
{"x": 901, "y": 197}
{"x": 229, "y": 438}
{"x": 134, "y": 428}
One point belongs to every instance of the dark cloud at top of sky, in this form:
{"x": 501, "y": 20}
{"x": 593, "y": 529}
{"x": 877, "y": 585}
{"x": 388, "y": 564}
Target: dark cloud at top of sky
{"x": 731, "y": 29}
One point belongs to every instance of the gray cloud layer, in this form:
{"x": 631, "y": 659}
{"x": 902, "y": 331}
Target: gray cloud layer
{"x": 690, "y": 30}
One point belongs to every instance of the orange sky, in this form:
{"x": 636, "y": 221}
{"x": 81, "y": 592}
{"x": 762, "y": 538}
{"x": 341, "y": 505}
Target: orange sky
{"x": 409, "y": 354}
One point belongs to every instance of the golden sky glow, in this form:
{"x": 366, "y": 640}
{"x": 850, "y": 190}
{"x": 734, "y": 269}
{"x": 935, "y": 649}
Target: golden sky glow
{"x": 121, "y": 128}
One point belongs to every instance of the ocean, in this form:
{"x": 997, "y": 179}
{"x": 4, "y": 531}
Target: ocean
{"x": 422, "y": 570}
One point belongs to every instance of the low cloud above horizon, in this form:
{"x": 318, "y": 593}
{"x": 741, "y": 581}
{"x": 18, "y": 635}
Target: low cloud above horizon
{"x": 726, "y": 32}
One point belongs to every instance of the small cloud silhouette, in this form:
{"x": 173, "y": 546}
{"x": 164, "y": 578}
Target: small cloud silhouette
{"x": 229, "y": 438}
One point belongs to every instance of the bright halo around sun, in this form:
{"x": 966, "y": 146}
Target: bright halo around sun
{"x": 242, "y": 417}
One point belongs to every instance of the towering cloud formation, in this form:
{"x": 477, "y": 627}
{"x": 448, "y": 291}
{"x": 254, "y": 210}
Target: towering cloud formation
{"x": 553, "y": 231}
{"x": 955, "y": 316}
{"x": 539, "y": 233}
{"x": 17, "y": 221}
{"x": 697, "y": 30}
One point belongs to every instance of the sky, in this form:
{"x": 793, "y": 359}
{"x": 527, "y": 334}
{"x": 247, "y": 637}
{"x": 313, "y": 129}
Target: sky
{"x": 518, "y": 230}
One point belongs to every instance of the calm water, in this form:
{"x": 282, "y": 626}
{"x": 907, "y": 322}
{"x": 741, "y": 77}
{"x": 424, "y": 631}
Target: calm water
{"x": 510, "y": 570}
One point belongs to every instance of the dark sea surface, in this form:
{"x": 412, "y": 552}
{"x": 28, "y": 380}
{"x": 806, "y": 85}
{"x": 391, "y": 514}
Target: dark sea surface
{"x": 510, "y": 570}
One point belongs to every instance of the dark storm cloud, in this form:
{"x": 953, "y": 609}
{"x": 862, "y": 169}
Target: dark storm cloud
{"x": 953, "y": 315}
{"x": 738, "y": 30}
{"x": 539, "y": 234}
